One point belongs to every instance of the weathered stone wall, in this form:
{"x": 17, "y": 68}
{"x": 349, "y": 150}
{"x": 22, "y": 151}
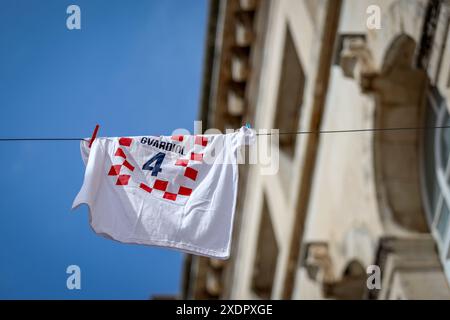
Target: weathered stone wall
{"x": 340, "y": 201}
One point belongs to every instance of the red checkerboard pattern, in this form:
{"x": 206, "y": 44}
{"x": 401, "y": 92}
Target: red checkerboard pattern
{"x": 196, "y": 156}
{"x": 201, "y": 140}
{"x": 123, "y": 179}
{"x": 116, "y": 169}
{"x": 125, "y": 142}
{"x": 191, "y": 173}
{"x": 120, "y": 153}
{"x": 182, "y": 162}
{"x": 184, "y": 191}
{"x": 145, "y": 187}
{"x": 161, "y": 185}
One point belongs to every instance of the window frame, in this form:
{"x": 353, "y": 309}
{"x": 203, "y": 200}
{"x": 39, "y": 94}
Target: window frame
{"x": 441, "y": 172}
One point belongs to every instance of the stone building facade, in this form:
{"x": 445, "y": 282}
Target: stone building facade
{"x": 340, "y": 202}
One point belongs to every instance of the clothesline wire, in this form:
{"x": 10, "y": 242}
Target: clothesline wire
{"x": 263, "y": 134}
{"x": 356, "y": 130}
{"x": 42, "y": 139}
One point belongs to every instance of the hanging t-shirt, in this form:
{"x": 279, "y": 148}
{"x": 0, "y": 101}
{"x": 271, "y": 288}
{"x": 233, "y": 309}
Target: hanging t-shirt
{"x": 172, "y": 191}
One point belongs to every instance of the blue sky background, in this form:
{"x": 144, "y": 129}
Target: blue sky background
{"x": 134, "y": 68}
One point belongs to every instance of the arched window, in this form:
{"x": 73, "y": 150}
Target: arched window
{"x": 436, "y": 173}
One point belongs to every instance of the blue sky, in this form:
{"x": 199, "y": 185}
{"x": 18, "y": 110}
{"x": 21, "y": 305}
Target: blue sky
{"x": 134, "y": 68}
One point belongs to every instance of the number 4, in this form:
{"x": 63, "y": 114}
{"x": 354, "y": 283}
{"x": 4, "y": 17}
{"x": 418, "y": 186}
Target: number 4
{"x": 158, "y": 159}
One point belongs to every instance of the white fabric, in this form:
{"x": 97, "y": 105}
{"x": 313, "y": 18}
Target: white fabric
{"x": 132, "y": 209}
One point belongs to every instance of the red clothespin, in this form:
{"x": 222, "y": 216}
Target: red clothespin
{"x": 94, "y": 135}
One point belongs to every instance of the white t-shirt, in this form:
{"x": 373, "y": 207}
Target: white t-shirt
{"x": 172, "y": 191}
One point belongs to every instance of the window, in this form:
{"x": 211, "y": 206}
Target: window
{"x": 265, "y": 264}
{"x": 436, "y": 177}
{"x": 290, "y": 95}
